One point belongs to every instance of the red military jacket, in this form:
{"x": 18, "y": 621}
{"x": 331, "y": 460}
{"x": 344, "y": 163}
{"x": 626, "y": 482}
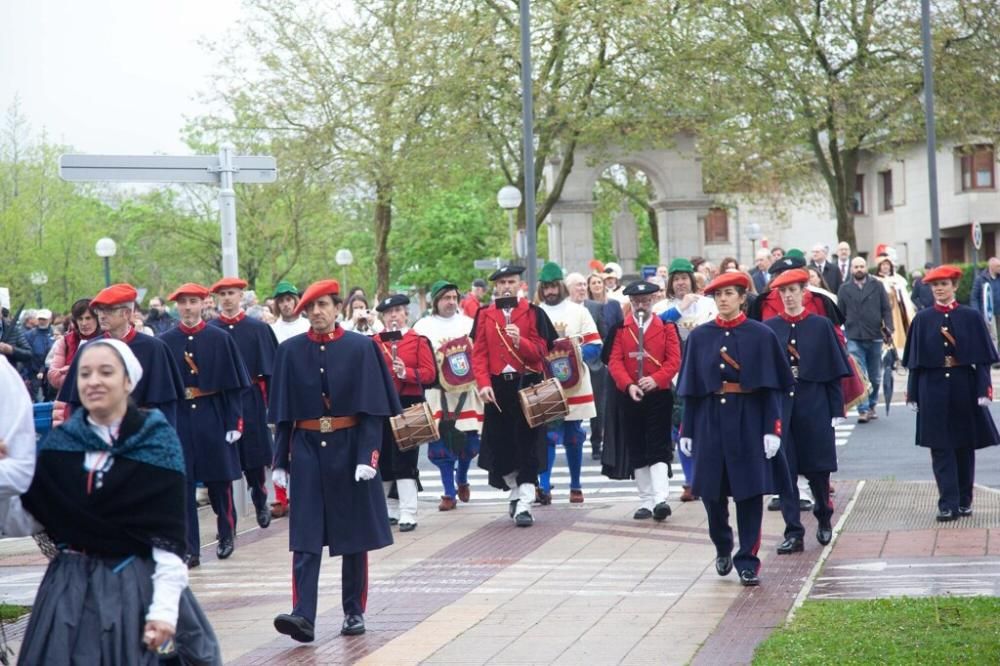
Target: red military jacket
{"x": 416, "y": 354}
{"x": 662, "y": 346}
{"x": 493, "y": 350}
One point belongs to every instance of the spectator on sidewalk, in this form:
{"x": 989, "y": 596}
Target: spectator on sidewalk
{"x": 158, "y": 318}
{"x": 920, "y": 293}
{"x": 474, "y": 299}
{"x": 12, "y": 342}
{"x": 40, "y": 341}
{"x": 865, "y": 305}
{"x": 82, "y": 326}
{"x": 759, "y": 273}
{"x": 843, "y": 263}
{"x": 988, "y": 276}
{"x": 826, "y": 269}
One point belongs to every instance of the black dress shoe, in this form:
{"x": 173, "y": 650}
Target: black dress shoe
{"x": 407, "y": 527}
{"x": 512, "y": 508}
{"x": 723, "y": 564}
{"x": 393, "y": 521}
{"x": 824, "y": 534}
{"x": 193, "y": 561}
{"x": 749, "y": 578}
{"x": 661, "y": 511}
{"x": 595, "y": 454}
{"x": 524, "y": 519}
{"x": 965, "y": 511}
{"x": 946, "y": 516}
{"x": 225, "y": 548}
{"x": 774, "y": 504}
{"x": 354, "y": 625}
{"x": 642, "y": 514}
{"x": 298, "y": 628}
{"x": 805, "y": 505}
{"x": 792, "y": 544}
{"x": 264, "y": 517}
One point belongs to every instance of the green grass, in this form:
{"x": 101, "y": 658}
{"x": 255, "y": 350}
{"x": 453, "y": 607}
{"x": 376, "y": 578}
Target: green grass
{"x": 925, "y": 631}
{"x": 10, "y": 612}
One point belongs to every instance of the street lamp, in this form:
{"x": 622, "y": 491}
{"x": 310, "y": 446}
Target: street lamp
{"x": 106, "y": 248}
{"x": 39, "y": 279}
{"x": 344, "y": 258}
{"x": 509, "y": 198}
{"x": 753, "y": 235}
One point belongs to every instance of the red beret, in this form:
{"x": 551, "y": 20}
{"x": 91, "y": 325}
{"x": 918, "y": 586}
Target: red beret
{"x": 315, "y": 290}
{"x": 228, "y": 283}
{"x": 733, "y": 279}
{"x": 188, "y": 289}
{"x": 116, "y": 294}
{"x": 943, "y": 273}
{"x": 794, "y": 276}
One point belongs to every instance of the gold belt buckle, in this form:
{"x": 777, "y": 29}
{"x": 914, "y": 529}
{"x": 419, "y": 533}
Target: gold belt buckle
{"x": 326, "y": 424}
{"x": 189, "y": 393}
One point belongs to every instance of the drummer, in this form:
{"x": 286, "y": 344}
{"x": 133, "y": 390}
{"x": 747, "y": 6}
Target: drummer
{"x": 578, "y": 341}
{"x": 511, "y": 338}
{"x": 455, "y": 403}
{"x": 643, "y": 356}
{"x": 411, "y": 362}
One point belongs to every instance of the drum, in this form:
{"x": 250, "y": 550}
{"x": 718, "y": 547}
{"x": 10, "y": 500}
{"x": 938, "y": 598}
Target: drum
{"x": 544, "y": 402}
{"x": 415, "y": 426}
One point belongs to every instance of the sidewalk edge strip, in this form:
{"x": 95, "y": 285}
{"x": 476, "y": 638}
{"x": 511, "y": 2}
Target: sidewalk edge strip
{"x": 807, "y": 588}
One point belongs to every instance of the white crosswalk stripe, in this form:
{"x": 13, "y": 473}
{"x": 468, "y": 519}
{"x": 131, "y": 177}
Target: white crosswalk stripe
{"x": 594, "y": 485}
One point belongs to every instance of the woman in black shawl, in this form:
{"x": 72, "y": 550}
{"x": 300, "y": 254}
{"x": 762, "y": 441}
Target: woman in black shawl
{"x": 109, "y": 492}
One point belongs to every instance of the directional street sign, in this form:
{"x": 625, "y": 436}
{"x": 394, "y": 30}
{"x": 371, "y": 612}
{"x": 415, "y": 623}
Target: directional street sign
{"x": 486, "y": 264}
{"x": 223, "y": 170}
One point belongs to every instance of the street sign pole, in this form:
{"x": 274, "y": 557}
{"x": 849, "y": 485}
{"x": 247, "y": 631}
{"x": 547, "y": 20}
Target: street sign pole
{"x": 528, "y": 139}
{"x": 227, "y": 212}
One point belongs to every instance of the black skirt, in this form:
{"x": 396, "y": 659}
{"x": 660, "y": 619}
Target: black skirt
{"x": 92, "y": 610}
{"x": 508, "y": 443}
{"x": 636, "y": 434}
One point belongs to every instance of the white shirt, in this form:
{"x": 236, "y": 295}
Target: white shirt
{"x": 440, "y": 329}
{"x": 287, "y": 329}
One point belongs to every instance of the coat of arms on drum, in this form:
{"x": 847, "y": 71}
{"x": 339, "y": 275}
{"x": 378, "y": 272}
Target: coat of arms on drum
{"x": 563, "y": 363}
{"x": 455, "y": 364}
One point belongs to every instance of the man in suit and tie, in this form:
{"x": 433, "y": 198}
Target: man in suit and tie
{"x": 759, "y": 274}
{"x": 843, "y": 264}
{"x": 828, "y": 270}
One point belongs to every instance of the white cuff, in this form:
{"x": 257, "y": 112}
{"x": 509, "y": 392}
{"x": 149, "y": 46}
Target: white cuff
{"x": 169, "y": 580}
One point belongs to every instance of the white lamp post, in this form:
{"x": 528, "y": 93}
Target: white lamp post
{"x": 753, "y": 235}
{"x": 509, "y": 198}
{"x": 106, "y": 248}
{"x": 344, "y": 258}
{"x": 39, "y": 279}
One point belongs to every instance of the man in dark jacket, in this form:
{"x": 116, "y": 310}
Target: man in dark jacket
{"x": 989, "y": 276}
{"x": 40, "y": 341}
{"x": 866, "y": 310}
{"x": 158, "y": 318}
{"x": 12, "y": 342}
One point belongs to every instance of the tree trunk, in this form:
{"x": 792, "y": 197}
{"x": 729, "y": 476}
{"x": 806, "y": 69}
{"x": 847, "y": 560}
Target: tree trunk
{"x": 843, "y": 203}
{"x": 383, "y": 225}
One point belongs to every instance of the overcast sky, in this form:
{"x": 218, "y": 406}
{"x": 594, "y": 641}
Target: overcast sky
{"x": 109, "y": 76}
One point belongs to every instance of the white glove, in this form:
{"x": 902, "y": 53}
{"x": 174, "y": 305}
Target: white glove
{"x": 836, "y": 421}
{"x": 913, "y": 406}
{"x": 984, "y": 401}
{"x": 364, "y": 473}
{"x": 279, "y": 477}
{"x": 233, "y": 436}
{"x": 685, "y": 444}
{"x": 771, "y": 445}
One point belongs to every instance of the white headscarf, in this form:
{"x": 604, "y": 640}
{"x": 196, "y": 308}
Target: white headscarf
{"x": 131, "y": 363}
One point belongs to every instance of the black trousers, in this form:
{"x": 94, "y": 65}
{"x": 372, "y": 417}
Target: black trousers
{"x": 305, "y": 583}
{"x": 819, "y": 484}
{"x": 599, "y": 382}
{"x": 257, "y": 483}
{"x": 955, "y": 472}
{"x": 220, "y": 496}
{"x": 749, "y": 519}
{"x": 508, "y": 444}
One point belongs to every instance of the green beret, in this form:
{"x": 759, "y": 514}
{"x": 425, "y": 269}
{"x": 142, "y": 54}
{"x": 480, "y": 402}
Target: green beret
{"x": 680, "y": 265}
{"x": 285, "y": 287}
{"x": 796, "y": 252}
{"x": 550, "y": 272}
{"x": 440, "y": 287}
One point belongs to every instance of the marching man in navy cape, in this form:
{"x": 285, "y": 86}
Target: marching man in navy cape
{"x": 812, "y": 409}
{"x": 161, "y": 386}
{"x": 732, "y": 379}
{"x": 257, "y": 345}
{"x": 949, "y": 353}
{"x": 331, "y": 398}
{"x": 411, "y": 363}
{"x": 637, "y": 432}
{"x": 210, "y": 419}
{"x": 510, "y": 340}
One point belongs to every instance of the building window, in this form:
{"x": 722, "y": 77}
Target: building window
{"x": 885, "y": 177}
{"x": 858, "y": 199}
{"x": 717, "y": 226}
{"x": 977, "y": 168}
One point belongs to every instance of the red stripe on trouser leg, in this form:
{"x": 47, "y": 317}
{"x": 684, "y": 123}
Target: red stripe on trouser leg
{"x": 364, "y": 585}
{"x": 229, "y": 511}
{"x": 295, "y": 587}
{"x": 756, "y": 547}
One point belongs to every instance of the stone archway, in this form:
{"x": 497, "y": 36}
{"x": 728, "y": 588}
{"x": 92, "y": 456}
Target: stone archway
{"x": 679, "y": 202}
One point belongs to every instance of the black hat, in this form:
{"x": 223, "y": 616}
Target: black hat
{"x": 504, "y": 271}
{"x": 479, "y": 282}
{"x": 640, "y": 288}
{"x": 391, "y": 302}
{"x": 786, "y": 263}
